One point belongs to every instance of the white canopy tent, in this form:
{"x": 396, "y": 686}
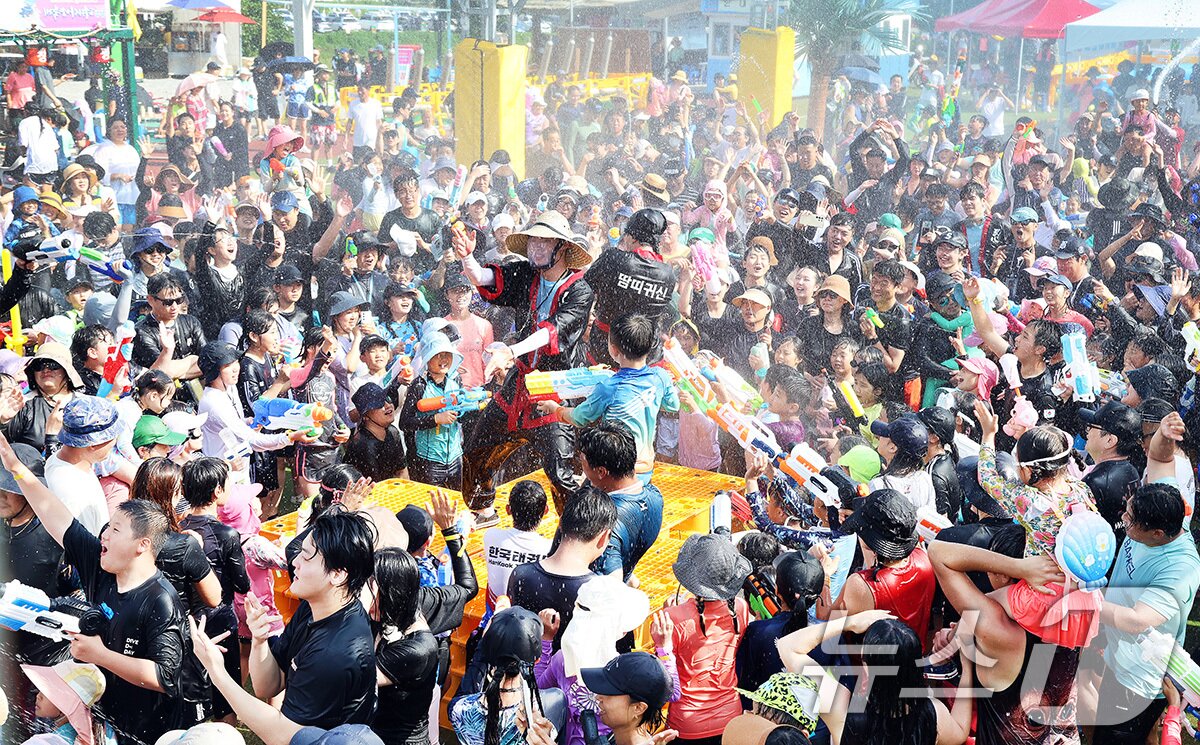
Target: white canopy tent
{"x": 1132, "y": 21}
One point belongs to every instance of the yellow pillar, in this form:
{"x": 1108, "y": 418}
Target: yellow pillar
{"x": 765, "y": 71}
{"x": 489, "y": 101}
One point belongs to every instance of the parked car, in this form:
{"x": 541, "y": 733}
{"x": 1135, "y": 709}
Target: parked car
{"x": 376, "y": 20}
{"x": 348, "y": 22}
{"x": 323, "y": 24}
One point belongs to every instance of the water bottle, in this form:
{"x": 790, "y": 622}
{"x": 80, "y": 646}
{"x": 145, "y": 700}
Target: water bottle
{"x": 720, "y": 514}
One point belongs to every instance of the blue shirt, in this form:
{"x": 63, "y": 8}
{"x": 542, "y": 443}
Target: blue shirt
{"x": 633, "y": 397}
{"x": 1164, "y": 578}
{"x": 441, "y": 443}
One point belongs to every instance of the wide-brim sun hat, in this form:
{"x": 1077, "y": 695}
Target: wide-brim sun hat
{"x": 780, "y": 692}
{"x": 89, "y": 420}
{"x": 282, "y": 134}
{"x": 185, "y": 183}
{"x": 708, "y": 566}
{"x": 550, "y": 224}
{"x": 60, "y": 355}
{"x": 73, "y": 170}
{"x": 73, "y": 688}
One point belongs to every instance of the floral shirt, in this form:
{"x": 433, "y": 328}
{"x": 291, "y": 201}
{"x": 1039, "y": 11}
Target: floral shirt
{"x": 1041, "y": 514}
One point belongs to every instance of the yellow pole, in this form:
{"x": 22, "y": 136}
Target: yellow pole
{"x": 16, "y": 340}
{"x": 262, "y": 31}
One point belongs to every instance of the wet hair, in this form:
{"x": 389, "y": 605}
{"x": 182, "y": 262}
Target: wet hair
{"x": 1043, "y": 442}
{"x": 844, "y": 219}
{"x": 1150, "y": 343}
{"x": 891, "y": 269}
{"x": 398, "y": 580}
{"x": 588, "y": 514}
{"x": 260, "y": 298}
{"x": 147, "y": 520}
{"x": 972, "y": 188}
{"x": 86, "y": 338}
{"x": 346, "y": 542}
{"x": 201, "y": 479}
{"x": 609, "y": 445}
{"x": 893, "y": 714}
{"x": 527, "y": 503}
{"x": 164, "y": 281}
{"x": 1047, "y": 334}
{"x": 404, "y": 175}
{"x": 787, "y": 734}
{"x": 877, "y": 376}
{"x": 938, "y": 191}
{"x": 334, "y": 481}
{"x": 1158, "y": 507}
{"x": 256, "y": 322}
{"x": 759, "y": 548}
{"x": 796, "y": 388}
{"x": 799, "y": 580}
{"x": 1009, "y": 541}
{"x": 314, "y": 337}
{"x": 157, "y": 482}
{"x": 153, "y": 381}
{"x": 634, "y": 335}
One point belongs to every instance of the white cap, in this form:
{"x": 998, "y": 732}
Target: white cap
{"x": 476, "y": 196}
{"x": 672, "y": 216}
{"x": 1149, "y": 248}
{"x": 181, "y": 422}
{"x": 503, "y": 220}
{"x": 916, "y": 272}
{"x": 82, "y": 210}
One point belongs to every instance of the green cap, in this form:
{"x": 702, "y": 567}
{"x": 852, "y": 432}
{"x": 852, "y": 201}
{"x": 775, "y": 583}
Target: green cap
{"x": 889, "y": 220}
{"x": 701, "y": 234}
{"x": 862, "y": 462}
{"x": 150, "y": 430}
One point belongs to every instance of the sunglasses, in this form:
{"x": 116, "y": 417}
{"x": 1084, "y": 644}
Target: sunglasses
{"x": 169, "y": 301}
{"x": 157, "y": 250}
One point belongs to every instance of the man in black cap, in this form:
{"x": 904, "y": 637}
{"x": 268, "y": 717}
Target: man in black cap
{"x": 1146, "y": 225}
{"x": 779, "y": 225}
{"x": 632, "y": 277}
{"x": 1114, "y": 436}
{"x": 1074, "y": 263}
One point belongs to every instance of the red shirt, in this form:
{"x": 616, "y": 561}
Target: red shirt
{"x": 906, "y": 591}
{"x": 707, "y": 677}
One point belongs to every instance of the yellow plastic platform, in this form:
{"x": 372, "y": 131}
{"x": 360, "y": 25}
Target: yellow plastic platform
{"x": 687, "y": 494}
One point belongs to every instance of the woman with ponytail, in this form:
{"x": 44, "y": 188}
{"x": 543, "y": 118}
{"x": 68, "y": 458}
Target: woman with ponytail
{"x": 799, "y": 579}
{"x": 705, "y": 636}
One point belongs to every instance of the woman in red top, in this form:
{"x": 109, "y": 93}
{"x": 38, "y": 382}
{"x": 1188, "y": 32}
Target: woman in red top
{"x": 900, "y": 579}
{"x": 707, "y": 629}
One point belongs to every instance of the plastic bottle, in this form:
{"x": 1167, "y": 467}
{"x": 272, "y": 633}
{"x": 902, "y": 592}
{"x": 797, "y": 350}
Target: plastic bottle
{"x": 720, "y": 514}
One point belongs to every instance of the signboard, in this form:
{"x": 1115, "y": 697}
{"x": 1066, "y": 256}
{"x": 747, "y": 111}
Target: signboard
{"x": 404, "y": 60}
{"x": 725, "y": 6}
{"x": 56, "y": 15}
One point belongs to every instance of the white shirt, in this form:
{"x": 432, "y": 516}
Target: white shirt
{"x": 40, "y": 143}
{"x": 367, "y": 116}
{"x": 994, "y": 109}
{"x": 917, "y": 487}
{"x": 226, "y": 428}
{"x": 80, "y": 491}
{"x": 507, "y": 548}
{"x": 119, "y": 160}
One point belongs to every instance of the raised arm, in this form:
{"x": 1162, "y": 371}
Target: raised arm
{"x": 55, "y": 516}
{"x": 341, "y": 210}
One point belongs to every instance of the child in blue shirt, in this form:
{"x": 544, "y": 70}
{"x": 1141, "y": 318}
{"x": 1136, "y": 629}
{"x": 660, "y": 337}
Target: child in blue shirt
{"x": 633, "y": 396}
{"x": 28, "y": 220}
{"x": 434, "y": 438}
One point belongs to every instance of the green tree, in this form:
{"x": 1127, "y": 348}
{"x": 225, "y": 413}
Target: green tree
{"x": 827, "y": 29}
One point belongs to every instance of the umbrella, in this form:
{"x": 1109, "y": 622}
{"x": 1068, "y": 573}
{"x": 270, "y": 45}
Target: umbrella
{"x": 854, "y": 59}
{"x": 196, "y": 4}
{"x": 861, "y": 74}
{"x": 224, "y": 15}
{"x": 284, "y": 48}
{"x": 195, "y": 80}
{"x": 304, "y": 62}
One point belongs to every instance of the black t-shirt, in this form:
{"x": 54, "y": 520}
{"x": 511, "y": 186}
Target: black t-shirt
{"x": 533, "y": 588}
{"x": 147, "y": 623}
{"x": 223, "y": 550}
{"x": 425, "y": 224}
{"x": 728, "y": 338}
{"x": 189, "y": 339}
{"x": 897, "y": 328}
{"x": 802, "y": 177}
{"x": 378, "y": 460}
{"x": 630, "y": 283}
{"x": 1111, "y": 482}
{"x": 29, "y": 555}
{"x": 329, "y": 667}
{"x": 182, "y": 562}
{"x": 411, "y": 663}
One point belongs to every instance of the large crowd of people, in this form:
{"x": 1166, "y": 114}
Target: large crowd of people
{"x": 953, "y": 359}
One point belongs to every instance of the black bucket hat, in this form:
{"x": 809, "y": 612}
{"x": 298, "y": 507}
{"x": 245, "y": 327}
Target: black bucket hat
{"x": 887, "y": 522}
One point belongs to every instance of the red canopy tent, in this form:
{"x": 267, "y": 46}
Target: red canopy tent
{"x": 1040, "y": 19}
{"x": 966, "y": 20}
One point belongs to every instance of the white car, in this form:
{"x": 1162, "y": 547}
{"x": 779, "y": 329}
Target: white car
{"x": 348, "y": 22}
{"x": 378, "y": 21}
{"x": 323, "y": 24}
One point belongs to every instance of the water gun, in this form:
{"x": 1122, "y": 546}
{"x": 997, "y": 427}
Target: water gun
{"x": 460, "y": 175}
{"x": 1164, "y": 652}
{"x": 25, "y": 608}
{"x": 852, "y": 403}
{"x": 460, "y": 402}
{"x": 402, "y": 367}
{"x": 98, "y": 262}
{"x": 276, "y": 166}
{"x": 119, "y": 353}
{"x": 1025, "y": 131}
{"x": 687, "y": 376}
{"x": 739, "y": 391}
{"x": 763, "y": 599}
{"x": 614, "y": 236}
{"x": 873, "y": 317}
{"x": 1191, "y": 336}
{"x": 63, "y": 248}
{"x": 1113, "y": 384}
{"x": 803, "y": 464}
{"x": 1023, "y": 414}
{"x": 593, "y": 217}
{"x": 758, "y": 109}
{"x": 930, "y": 522}
{"x": 559, "y": 385}
{"x": 284, "y": 413}
{"x": 351, "y": 246}
{"x": 720, "y": 514}
{"x": 543, "y": 202}
{"x": 1081, "y": 373}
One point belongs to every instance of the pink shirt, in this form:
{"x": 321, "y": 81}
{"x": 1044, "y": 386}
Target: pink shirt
{"x": 19, "y": 89}
{"x": 475, "y": 334}
{"x": 707, "y": 678}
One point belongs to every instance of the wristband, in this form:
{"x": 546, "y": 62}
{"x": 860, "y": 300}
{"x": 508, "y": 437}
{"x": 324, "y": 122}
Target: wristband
{"x": 976, "y": 301}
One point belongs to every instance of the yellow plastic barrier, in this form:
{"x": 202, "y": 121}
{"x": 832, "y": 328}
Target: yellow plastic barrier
{"x": 765, "y": 71}
{"x": 489, "y": 101}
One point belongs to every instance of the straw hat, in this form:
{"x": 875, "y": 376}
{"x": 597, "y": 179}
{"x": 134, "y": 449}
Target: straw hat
{"x": 551, "y": 224}
{"x": 185, "y": 183}
{"x": 54, "y": 201}
{"x": 73, "y": 170}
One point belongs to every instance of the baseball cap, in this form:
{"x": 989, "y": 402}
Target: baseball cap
{"x": 939, "y": 421}
{"x": 1117, "y": 419}
{"x": 457, "y": 281}
{"x": 214, "y": 356}
{"x": 1042, "y": 266}
{"x": 1149, "y": 249}
{"x": 916, "y": 272}
{"x": 343, "y": 734}
{"x": 476, "y": 196}
{"x": 1058, "y": 279}
{"x": 445, "y": 162}
{"x": 1024, "y": 214}
{"x": 151, "y": 430}
{"x": 503, "y": 220}
{"x": 284, "y": 201}
{"x": 288, "y": 274}
{"x": 908, "y": 433}
{"x": 1071, "y": 248}
{"x": 638, "y": 675}
{"x": 417, "y": 523}
{"x": 30, "y": 458}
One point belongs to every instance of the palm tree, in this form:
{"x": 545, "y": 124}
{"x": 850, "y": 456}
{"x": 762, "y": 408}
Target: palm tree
{"x": 826, "y": 29}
